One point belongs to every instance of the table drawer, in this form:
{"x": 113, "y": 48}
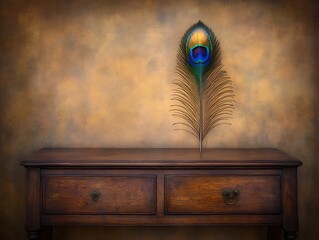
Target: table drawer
{"x": 107, "y": 194}
{"x": 206, "y": 194}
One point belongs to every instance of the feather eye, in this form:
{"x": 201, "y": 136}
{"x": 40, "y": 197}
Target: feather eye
{"x": 203, "y": 95}
{"x": 198, "y": 47}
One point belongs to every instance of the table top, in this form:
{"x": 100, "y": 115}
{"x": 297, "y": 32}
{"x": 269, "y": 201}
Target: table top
{"x": 159, "y": 157}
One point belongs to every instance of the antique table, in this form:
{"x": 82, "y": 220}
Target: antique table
{"x": 161, "y": 187}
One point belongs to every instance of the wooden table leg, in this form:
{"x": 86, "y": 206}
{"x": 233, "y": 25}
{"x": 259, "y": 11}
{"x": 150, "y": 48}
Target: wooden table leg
{"x": 32, "y": 223}
{"x": 289, "y": 203}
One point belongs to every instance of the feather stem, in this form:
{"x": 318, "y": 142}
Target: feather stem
{"x": 200, "y": 112}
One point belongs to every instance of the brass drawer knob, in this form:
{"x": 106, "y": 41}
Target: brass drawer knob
{"x": 95, "y": 195}
{"x": 230, "y": 196}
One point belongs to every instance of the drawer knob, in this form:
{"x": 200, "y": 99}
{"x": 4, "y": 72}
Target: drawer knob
{"x": 95, "y": 195}
{"x": 230, "y": 196}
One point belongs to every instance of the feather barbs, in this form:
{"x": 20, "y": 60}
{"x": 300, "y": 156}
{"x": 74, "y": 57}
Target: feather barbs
{"x": 203, "y": 95}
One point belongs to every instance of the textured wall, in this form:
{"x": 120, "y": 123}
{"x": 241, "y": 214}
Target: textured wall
{"x": 98, "y": 74}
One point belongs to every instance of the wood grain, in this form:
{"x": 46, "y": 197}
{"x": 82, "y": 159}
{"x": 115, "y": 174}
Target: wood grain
{"x": 204, "y": 194}
{"x": 118, "y": 194}
{"x": 160, "y": 157}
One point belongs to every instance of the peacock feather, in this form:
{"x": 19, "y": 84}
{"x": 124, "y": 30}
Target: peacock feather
{"x": 203, "y": 95}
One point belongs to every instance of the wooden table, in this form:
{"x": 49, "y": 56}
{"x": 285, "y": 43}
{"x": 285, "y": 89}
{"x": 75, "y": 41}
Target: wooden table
{"x": 161, "y": 187}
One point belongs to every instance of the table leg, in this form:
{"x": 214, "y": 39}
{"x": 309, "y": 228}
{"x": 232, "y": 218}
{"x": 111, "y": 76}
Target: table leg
{"x": 32, "y": 223}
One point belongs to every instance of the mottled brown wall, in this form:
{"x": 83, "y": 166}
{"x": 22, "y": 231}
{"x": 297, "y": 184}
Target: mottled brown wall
{"x": 98, "y": 74}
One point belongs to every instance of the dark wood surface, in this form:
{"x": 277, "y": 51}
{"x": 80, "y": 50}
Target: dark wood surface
{"x": 118, "y": 194}
{"x": 159, "y": 157}
{"x": 202, "y": 194}
{"x": 161, "y": 187}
